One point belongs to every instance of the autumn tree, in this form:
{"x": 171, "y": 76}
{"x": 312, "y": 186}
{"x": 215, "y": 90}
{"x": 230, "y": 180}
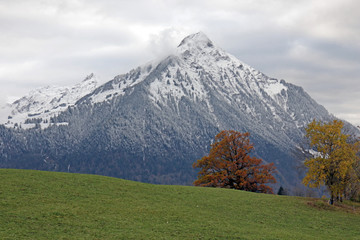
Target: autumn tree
{"x": 352, "y": 189}
{"x": 334, "y": 159}
{"x": 229, "y": 165}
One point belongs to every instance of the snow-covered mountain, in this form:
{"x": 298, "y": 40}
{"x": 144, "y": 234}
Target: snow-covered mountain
{"x": 152, "y": 123}
{"x": 40, "y": 105}
{"x": 205, "y": 75}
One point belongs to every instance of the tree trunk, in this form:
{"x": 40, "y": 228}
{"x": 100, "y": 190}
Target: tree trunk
{"x": 331, "y": 201}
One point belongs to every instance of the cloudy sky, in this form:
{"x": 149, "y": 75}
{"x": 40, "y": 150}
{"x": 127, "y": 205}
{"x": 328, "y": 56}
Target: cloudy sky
{"x": 314, "y": 44}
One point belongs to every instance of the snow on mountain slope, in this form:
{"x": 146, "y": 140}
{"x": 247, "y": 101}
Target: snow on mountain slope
{"x": 120, "y": 83}
{"x": 46, "y": 102}
{"x": 199, "y": 66}
{"x": 201, "y": 73}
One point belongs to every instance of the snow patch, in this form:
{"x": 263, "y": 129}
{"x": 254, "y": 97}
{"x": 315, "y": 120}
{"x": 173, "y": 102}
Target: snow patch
{"x": 123, "y": 82}
{"x": 274, "y": 87}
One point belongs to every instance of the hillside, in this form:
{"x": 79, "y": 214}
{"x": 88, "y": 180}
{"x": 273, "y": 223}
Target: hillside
{"x": 49, "y": 205}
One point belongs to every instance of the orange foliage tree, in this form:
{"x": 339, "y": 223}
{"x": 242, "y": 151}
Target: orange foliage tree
{"x": 229, "y": 165}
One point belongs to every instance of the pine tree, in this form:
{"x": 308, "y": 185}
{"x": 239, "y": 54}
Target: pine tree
{"x": 282, "y": 191}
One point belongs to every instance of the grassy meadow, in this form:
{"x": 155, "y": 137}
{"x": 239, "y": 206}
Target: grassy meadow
{"x": 50, "y": 205}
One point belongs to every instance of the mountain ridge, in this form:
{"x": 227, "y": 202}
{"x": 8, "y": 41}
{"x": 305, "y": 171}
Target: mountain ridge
{"x": 45, "y": 102}
{"x": 153, "y": 122}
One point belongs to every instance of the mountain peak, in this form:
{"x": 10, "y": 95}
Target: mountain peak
{"x": 199, "y": 48}
{"x": 198, "y": 39}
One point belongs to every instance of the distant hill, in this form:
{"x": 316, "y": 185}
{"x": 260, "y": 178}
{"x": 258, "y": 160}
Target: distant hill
{"x": 49, "y": 205}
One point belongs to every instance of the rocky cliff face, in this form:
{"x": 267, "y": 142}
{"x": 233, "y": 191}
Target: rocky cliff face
{"x": 152, "y": 123}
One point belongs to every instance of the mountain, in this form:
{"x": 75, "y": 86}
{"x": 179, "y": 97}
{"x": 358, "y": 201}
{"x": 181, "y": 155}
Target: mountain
{"x": 43, "y": 103}
{"x": 152, "y": 123}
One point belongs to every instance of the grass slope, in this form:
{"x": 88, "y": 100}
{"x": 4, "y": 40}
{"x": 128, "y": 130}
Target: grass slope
{"x": 49, "y": 205}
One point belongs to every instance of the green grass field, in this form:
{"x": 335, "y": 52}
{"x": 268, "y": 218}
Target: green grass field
{"x": 49, "y": 205}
